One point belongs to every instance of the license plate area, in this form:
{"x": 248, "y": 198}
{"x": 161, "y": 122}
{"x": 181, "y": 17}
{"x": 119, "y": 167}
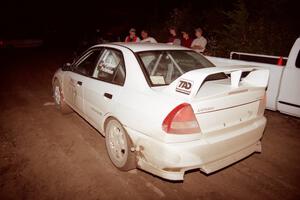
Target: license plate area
{"x": 227, "y": 117}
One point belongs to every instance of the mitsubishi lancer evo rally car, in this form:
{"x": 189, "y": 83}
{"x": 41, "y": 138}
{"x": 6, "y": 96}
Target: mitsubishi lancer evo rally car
{"x": 165, "y": 109}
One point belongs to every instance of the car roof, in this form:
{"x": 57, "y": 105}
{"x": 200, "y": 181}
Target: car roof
{"x": 138, "y": 46}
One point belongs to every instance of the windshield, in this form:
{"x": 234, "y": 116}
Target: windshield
{"x": 163, "y": 67}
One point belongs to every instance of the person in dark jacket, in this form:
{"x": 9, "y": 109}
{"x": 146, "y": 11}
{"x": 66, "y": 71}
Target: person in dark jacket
{"x": 186, "y": 41}
{"x": 174, "y": 38}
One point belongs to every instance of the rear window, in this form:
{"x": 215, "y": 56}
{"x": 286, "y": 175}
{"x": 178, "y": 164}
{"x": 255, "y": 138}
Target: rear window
{"x": 163, "y": 67}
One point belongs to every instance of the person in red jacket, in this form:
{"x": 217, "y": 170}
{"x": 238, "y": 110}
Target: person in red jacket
{"x": 132, "y": 36}
{"x": 186, "y": 41}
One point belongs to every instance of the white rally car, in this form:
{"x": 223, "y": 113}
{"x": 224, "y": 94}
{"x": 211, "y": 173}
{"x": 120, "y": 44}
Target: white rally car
{"x": 165, "y": 109}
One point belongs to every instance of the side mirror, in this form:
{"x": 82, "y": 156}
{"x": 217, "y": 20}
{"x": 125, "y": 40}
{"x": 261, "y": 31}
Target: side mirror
{"x": 66, "y": 67}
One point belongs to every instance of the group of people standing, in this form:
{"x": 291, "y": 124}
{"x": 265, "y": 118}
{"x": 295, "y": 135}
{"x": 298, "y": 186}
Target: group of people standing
{"x": 132, "y": 37}
{"x": 198, "y": 43}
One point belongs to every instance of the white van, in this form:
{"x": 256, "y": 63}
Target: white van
{"x": 283, "y": 93}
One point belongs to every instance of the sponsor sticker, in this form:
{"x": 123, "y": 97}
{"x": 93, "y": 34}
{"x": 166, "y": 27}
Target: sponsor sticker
{"x": 157, "y": 79}
{"x": 107, "y": 70}
{"x": 106, "y": 67}
{"x": 184, "y": 86}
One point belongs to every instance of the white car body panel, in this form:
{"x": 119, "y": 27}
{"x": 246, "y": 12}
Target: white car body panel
{"x": 70, "y": 87}
{"x": 227, "y": 112}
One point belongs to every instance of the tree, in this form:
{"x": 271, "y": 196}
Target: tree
{"x": 234, "y": 35}
{"x": 257, "y": 31}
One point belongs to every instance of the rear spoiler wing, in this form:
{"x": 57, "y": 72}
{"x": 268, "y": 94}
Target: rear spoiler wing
{"x": 190, "y": 83}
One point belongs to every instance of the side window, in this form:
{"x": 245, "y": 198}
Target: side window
{"x": 298, "y": 60}
{"x": 110, "y": 67}
{"x": 87, "y": 65}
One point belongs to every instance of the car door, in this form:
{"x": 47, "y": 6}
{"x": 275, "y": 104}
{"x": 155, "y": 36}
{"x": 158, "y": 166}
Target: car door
{"x": 289, "y": 93}
{"x": 103, "y": 90}
{"x": 76, "y": 80}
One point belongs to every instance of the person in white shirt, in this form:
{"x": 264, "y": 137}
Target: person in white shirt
{"x": 146, "y": 37}
{"x": 200, "y": 42}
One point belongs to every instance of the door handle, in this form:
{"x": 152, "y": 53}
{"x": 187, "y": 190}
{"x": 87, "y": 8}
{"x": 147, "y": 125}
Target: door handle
{"x": 107, "y": 95}
{"x": 79, "y": 83}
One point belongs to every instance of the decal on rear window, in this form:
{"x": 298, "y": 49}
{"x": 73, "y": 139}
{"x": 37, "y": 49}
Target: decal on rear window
{"x": 107, "y": 70}
{"x": 158, "y": 80}
{"x": 184, "y": 86}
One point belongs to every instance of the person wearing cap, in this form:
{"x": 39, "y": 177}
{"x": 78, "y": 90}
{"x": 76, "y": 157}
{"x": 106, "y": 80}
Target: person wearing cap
{"x": 200, "y": 42}
{"x": 186, "y": 41}
{"x": 173, "y": 39}
{"x": 146, "y": 37}
{"x": 132, "y": 36}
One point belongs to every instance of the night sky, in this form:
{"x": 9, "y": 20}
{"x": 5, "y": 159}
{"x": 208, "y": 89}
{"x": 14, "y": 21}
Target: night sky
{"x": 34, "y": 16}
{"x": 37, "y": 18}
{"x": 23, "y": 16}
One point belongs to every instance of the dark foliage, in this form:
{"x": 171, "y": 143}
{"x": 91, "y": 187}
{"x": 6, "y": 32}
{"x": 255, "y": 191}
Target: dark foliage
{"x": 264, "y": 27}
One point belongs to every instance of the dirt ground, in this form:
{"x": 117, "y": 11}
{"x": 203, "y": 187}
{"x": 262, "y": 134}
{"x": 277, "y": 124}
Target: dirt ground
{"x": 47, "y": 155}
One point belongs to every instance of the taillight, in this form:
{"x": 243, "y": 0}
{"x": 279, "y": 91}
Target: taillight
{"x": 181, "y": 120}
{"x": 262, "y": 105}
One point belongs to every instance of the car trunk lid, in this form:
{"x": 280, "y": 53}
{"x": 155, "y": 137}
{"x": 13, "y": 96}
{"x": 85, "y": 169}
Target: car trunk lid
{"x": 220, "y": 103}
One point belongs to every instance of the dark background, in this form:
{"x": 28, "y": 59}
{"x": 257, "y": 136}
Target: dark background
{"x": 269, "y": 26}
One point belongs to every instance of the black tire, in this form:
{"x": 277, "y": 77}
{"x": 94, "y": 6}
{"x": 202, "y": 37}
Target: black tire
{"x": 59, "y": 102}
{"x": 126, "y": 160}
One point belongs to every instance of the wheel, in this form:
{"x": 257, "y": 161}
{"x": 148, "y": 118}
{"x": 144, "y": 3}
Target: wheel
{"x": 118, "y": 146}
{"x": 59, "y": 100}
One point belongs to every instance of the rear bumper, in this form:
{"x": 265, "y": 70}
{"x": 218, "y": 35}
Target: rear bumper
{"x": 171, "y": 161}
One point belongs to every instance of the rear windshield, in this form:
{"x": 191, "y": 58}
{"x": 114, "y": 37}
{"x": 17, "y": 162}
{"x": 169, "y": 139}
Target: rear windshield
{"x": 163, "y": 67}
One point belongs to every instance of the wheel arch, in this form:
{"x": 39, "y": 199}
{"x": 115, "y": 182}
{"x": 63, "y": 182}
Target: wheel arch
{"x": 109, "y": 117}
{"x": 56, "y": 78}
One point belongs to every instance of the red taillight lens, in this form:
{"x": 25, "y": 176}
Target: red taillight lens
{"x": 181, "y": 120}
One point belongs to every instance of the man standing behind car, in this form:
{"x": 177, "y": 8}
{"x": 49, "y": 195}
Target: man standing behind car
{"x": 173, "y": 39}
{"x": 186, "y": 41}
{"x": 132, "y": 36}
{"x": 146, "y": 37}
{"x": 200, "y": 42}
